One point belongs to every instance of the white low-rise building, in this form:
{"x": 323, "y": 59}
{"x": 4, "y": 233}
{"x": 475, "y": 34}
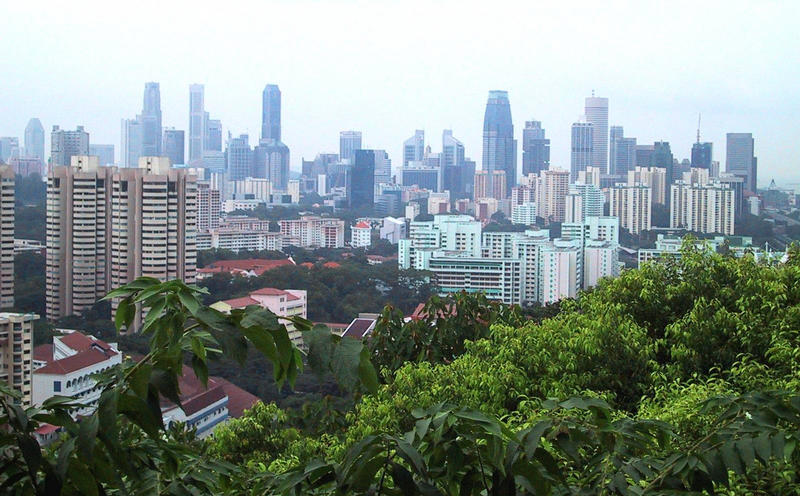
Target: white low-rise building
{"x": 393, "y": 229}
{"x": 281, "y": 302}
{"x": 240, "y": 239}
{"x": 361, "y": 235}
{"x": 524, "y": 214}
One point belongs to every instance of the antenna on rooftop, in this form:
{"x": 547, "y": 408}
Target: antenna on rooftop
{"x": 698, "y": 127}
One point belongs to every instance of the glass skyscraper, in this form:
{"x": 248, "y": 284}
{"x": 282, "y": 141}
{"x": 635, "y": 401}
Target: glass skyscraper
{"x": 151, "y": 121}
{"x": 535, "y": 149}
{"x": 271, "y": 113}
{"x": 499, "y": 145}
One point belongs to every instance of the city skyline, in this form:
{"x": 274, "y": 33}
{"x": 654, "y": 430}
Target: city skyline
{"x": 756, "y": 99}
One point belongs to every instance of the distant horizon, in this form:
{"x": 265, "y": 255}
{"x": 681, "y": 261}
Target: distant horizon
{"x": 401, "y": 71}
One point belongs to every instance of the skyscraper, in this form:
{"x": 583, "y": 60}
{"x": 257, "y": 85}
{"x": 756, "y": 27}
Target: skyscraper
{"x": 173, "y": 144}
{"x": 702, "y": 155}
{"x": 6, "y": 236}
{"x": 108, "y": 226}
{"x": 151, "y": 121}
{"x": 131, "y": 145}
{"x": 349, "y": 142}
{"x": 662, "y": 158}
{"x": 597, "y": 115}
{"x": 624, "y": 150}
{"x": 362, "y": 185}
{"x": 740, "y": 158}
{"x": 239, "y": 158}
{"x": 414, "y": 148}
{"x": 452, "y": 150}
{"x": 383, "y": 167}
{"x": 104, "y": 153}
{"x": 213, "y": 135}
{"x": 9, "y": 148}
{"x": 66, "y": 144}
{"x": 499, "y": 145}
{"x": 34, "y": 139}
{"x": 271, "y": 113}
{"x": 582, "y": 149}
{"x": 197, "y": 122}
{"x": 616, "y": 133}
{"x": 535, "y": 149}
{"x": 271, "y": 161}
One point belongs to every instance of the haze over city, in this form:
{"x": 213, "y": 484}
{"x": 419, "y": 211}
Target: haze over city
{"x": 387, "y": 69}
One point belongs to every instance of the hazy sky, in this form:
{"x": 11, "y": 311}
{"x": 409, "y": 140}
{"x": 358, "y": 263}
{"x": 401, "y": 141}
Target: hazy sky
{"x": 387, "y": 68}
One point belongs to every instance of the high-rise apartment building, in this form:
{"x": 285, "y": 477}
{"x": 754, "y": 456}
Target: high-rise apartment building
{"x": 271, "y": 113}
{"x": 596, "y": 111}
{"x": 552, "y": 194}
{"x": 197, "y": 122}
{"x": 6, "y": 236}
{"x": 632, "y": 205}
{"x": 582, "y": 149}
{"x": 108, "y": 226}
{"x": 66, "y": 144}
{"x": 16, "y": 353}
{"x": 173, "y": 145}
{"x": 313, "y": 231}
{"x": 704, "y": 208}
{"x": 151, "y": 121}
{"x": 414, "y": 148}
{"x": 209, "y": 202}
{"x": 535, "y": 149}
{"x": 653, "y": 177}
{"x": 34, "y": 139}
{"x": 499, "y": 145}
{"x": 740, "y": 159}
{"x": 349, "y": 142}
{"x": 583, "y": 201}
{"x": 490, "y": 184}
{"x": 560, "y": 270}
{"x": 600, "y": 259}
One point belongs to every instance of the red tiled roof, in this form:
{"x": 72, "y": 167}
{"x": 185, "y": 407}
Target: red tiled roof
{"x": 307, "y": 265}
{"x": 43, "y": 353}
{"x": 45, "y": 429}
{"x": 270, "y": 292}
{"x": 80, "y": 342}
{"x": 203, "y": 400}
{"x": 239, "y": 400}
{"x": 331, "y": 265}
{"x": 363, "y": 224}
{"x": 241, "y": 302}
{"x": 359, "y": 328}
{"x": 76, "y": 362}
{"x": 419, "y": 312}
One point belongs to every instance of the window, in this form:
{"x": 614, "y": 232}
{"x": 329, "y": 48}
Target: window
{"x": 56, "y": 386}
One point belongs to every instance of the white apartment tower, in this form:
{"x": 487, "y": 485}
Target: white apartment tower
{"x": 552, "y": 193}
{"x": 6, "y": 236}
{"x": 633, "y": 206}
{"x": 16, "y": 352}
{"x": 706, "y": 208}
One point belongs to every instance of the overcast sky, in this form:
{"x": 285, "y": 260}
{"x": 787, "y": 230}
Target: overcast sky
{"x": 387, "y": 68}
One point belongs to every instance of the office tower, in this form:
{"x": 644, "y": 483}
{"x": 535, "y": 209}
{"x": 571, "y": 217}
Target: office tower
{"x": 383, "y": 167}
{"x": 271, "y": 113}
{"x": 662, "y": 158}
{"x": 213, "y": 135}
{"x": 452, "y": 150}
{"x": 16, "y": 353}
{"x": 362, "y": 185}
{"x": 596, "y": 111}
{"x": 421, "y": 175}
{"x": 197, "y": 122}
{"x": 414, "y": 148}
{"x": 704, "y": 208}
{"x": 624, "y": 156}
{"x": 271, "y": 161}
{"x": 103, "y": 152}
{"x": 239, "y": 158}
{"x": 151, "y": 121}
{"x": 737, "y": 184}
{"x": 582, "y": 151}
{"x": 9, "y": 148}
{"x": 499, "y": 145}
{"x": 702, "y": 155}
{"x": 644, "y": 155}
{"x": 632, "y": 205}
{"x": 6, "y": 236}
{"x": 108, "y": 226}
{"x": 66, "y": 144}
{"x": 209, "y": 202}
{"x": 490, "y": 184}
{"x": 615, "y": 134}
{"x": 34, "y": 139}
{"x": 583, "y": 201}
{"x": 535, "y": 149}
{"x": 131, "y": 143}
{"x": 552, "y": 193}
{"x": 654, "y": 178}
{"x": 173, "y": 145}
{"x": 740, "y": 159}
{"x": 349, "y": 142}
